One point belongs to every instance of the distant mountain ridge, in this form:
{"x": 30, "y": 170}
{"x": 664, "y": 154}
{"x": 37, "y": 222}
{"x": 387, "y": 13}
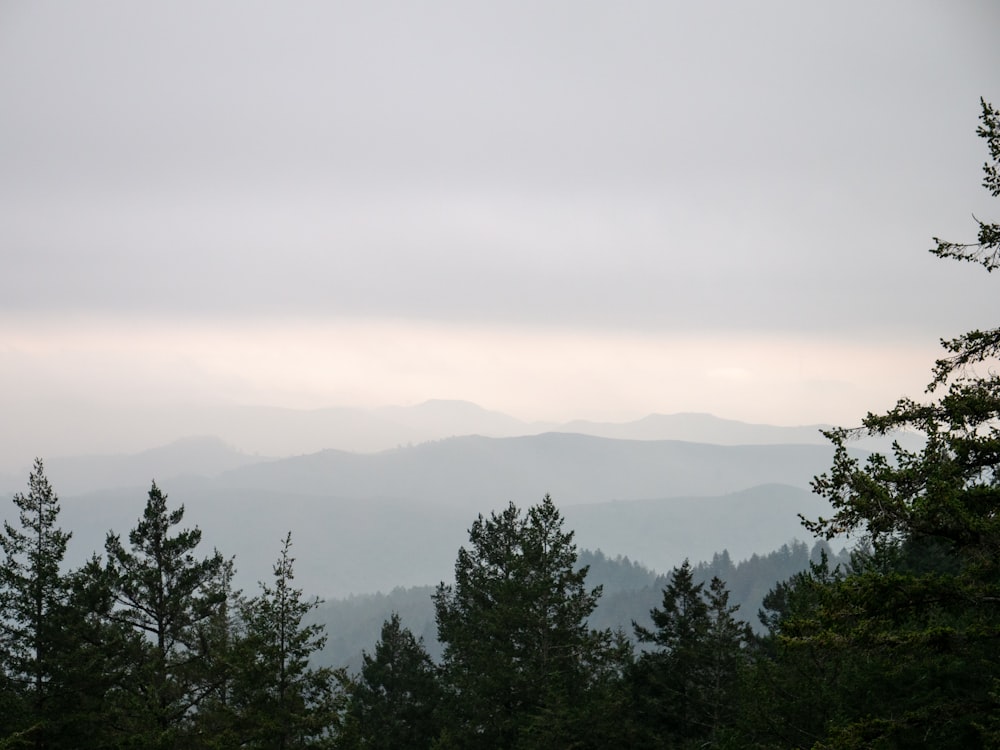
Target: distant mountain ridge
{"x": 366, "y": 521}
{"x": 697, "y": 427}
{"x": 472, "y": 471}
{"x": 192, "y": 456}
{"x": 425, "y": 424}
{"x": 280, "y": 432}
{"x": 463, "y": 471}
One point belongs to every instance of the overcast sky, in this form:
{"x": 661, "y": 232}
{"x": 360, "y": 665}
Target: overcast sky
{"x": 554, "y": 209}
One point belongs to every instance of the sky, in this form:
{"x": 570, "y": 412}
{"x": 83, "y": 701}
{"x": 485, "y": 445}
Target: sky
{"x": 558, "y": 210}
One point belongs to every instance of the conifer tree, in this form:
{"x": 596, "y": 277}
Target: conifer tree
{"x": 925, "y": 605}
{"x": 726, "y": 642}
{"x": 165, "y": 599}
{"x": 33, "y": 597}
{"x": 517, "y": 646}
{"x": 394, "y": 702}
{"x": 278, "y": 700}
{"x": 686, "y": 687}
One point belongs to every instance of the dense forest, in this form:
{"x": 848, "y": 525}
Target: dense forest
{"x": 629, "y": 591}
{"x": 147, "y": 645}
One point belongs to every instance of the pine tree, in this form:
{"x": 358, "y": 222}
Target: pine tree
{"x": 925, "y": 605}
{"x": 667, "y": 680}
{"x": 394, "y": 702}
{"x": 33, "y": 599}
{"x": 278, "y": 700}
{"x": 686, "y": 686}
{"x": 796, "y": 684}
{"x": 166, "y": 599}
{"x": 517, "y": 649}
{"x": 726, "y": 642}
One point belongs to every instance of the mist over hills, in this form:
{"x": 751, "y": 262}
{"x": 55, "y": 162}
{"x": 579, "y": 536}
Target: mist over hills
{"x": 364, "y": 522}
{"x": 349, "y": 546}
{"x": 264, "y": 431}
{"x": 476, "y": 472}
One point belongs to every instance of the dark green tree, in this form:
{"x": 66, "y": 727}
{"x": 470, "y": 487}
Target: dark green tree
{"x": 166, "y": 599}
{"x": 395, "y": 700}
{"x": 33, "y": 613}
{"x": 686, "y": 685}
{"x": 925, "y": 605}
{"x": 99, "y": 664}
{"x": 797, "y": 683}
{"x": 277, "y": 700}
{"x": 518, "y": 653}
{"x": 726, "y": 661}
{"x": 216, "y": 725}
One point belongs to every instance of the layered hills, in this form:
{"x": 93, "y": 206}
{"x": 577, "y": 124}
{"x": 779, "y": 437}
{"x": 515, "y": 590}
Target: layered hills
{"x": 365, "y": 522}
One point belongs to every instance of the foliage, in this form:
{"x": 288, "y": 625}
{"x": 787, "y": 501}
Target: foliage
{"x": 164, "y": 600}
{"x": 517, "y": 648}
{"x": 395, "y": 700}
{"x": 277, "y": 699}
{"x": 797, "y": 682}
{"x": 924, "y": 606}
{"x": 33, "y": 596}
{"x": 685, "y": 687}
{"x": 986, "y": 250}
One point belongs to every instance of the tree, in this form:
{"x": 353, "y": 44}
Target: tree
{"x": 686, "y": 687}
{"x": 166, "y": 600}
{"x": 726, "y": 642}
{"x": 517, "y": 647}
{"x": 394, "y": 702}
{"x": 33, "y": 597}
{"x": 276, "y": 698}
{"x": 934, "y": 627}
{"x": 797, "y": 683}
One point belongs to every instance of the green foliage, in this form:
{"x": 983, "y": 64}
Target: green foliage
{"x": 164, "y": 600}
{"x": 34, "y": 640}
{"x": 395, "y": 700}
{"x": 797, "y": 682}
{"x": 276, "y": 698}
{"x": 518, "y": 654}
{"x": 917, "y": 620}
{"x": 986, "y": 251}
{"x": 685, "y": 687}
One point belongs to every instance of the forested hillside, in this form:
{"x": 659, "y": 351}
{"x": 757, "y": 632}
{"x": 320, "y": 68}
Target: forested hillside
{"x": 629, "y": 591}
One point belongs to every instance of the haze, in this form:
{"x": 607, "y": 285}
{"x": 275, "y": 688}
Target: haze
{"x": 556, "y": 210}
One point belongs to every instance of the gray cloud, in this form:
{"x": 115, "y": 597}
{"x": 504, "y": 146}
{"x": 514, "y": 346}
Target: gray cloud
{"x": 640, "y": 164}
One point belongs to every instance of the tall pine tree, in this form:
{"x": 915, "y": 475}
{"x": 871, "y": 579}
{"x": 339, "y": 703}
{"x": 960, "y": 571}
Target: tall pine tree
{"x": 277, "y": 699}
{"x": 33, "y": 597}
{"x": 395, "y": 700}
{"x": 167, "y": 599}
{"x": 519, "y": 656}
{"x": 686, "y": 686}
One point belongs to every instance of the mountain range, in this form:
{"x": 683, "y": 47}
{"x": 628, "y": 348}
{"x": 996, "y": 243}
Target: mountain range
{"x": 262, "y": 431}
{"x": 370, "y": 521}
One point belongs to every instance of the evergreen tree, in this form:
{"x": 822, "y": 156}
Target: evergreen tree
{"x": 685, "y": 688}
{"x": 99, "y": 663}
{"x": 394, "y": 702}
{"x": 726, "y": 642}
{"x": 33, "y": 599}
{"x": 166, "y": 600}
{"x": 666, "y": 679}
{"x": 925, "y": 606}
{"x": 517, "y": 647}
{"x": 277, "y": 700}
{"x": 216, "y": 726}
{"x": 796, "y": 684}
